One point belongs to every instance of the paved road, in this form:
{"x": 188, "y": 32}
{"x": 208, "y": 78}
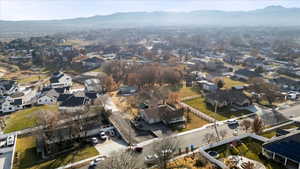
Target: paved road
{"x": 186, "y": 139}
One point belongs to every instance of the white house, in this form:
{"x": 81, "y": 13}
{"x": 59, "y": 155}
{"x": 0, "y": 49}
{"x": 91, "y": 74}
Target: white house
{"x": 10, "y": 105}
{"x": 60, "y": 79}
{"x": 48, "y": 97}
{"x": 207, "y": 86}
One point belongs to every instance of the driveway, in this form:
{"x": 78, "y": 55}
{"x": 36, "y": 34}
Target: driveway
{"x": 110, "y": 146}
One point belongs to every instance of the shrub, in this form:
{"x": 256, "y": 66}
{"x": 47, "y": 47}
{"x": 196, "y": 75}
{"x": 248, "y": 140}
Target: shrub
{"x": 234, "y": 151}
{"x": 243, "y": 147}
{"x": 200, "y": 162}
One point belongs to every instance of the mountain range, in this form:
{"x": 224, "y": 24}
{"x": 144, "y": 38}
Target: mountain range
{"x": 275, "y": 16}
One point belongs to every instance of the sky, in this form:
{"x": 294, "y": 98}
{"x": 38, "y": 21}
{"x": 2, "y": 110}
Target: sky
{"x": 61, "y": 9}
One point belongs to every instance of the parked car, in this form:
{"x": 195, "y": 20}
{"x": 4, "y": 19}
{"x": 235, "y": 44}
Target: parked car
{"x": 96, "y": 161}
{"x": 232, "y": 122}
{"x": 94, "y": 140}
{"x": 135, "y": 148}
{"x": 10, "y": 140}
{"x": 103, "y": 136}
{"x": 151, "y": 159}
{"x": 213, "y": 154}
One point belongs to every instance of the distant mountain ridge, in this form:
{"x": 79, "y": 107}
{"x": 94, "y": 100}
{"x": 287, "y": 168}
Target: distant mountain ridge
{"x": 270, "y": 16}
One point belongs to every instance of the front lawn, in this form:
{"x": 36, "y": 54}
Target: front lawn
{"x": 222, "y": 114}
{"x": 249, "y": 148}
{"x": 27, "y": 157}
{"x": 26, "y": 118}
{"x": 193, "y": 122}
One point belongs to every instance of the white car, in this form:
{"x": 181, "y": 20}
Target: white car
{"x": 10, "y": 140}
{"x": 166, "y": 152}
{"x": 232, "y": 122}
{"x": 103, "y": 136}
{"x": 151, "y": 159}
{"x": 94, "y": 140}
{"x": 96, "y": 161}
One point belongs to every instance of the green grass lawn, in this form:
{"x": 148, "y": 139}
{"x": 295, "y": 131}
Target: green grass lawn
{"x": 184, "y": 91}
{"x": 26, "y": 118}
{"x": 193, "y": 122}
{"x": 229, "y": 83}
{"x": 249, "y": 148}
{"x": 27, "y": 157}
{"x": 31, "y": 79}
{"x": 222, "y": 114}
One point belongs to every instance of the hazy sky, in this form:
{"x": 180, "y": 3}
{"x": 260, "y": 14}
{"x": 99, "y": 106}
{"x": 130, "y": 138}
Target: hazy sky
{"x": 59, "y": 9}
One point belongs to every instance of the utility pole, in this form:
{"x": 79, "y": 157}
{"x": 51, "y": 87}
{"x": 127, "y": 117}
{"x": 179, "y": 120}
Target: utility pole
{"x": 215, "y": 123}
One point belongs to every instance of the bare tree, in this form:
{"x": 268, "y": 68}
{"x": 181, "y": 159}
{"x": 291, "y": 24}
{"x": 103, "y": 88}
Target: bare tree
{"x": 269, "y": 91}
{"x": 246, "y": 124}
{"x": 248, "y": 165}
{"x": 209, "y": 138}
{"x": 123, "y": 160}
{"x": 257, "y": 125}
{"x": 223, "y": 133}
{"x": 165, "y": 149}
{"x": 109, "y": 83}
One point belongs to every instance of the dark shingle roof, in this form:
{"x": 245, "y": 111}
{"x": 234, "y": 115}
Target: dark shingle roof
{"x": 230, "y": 96}
{"x": 74, "y": 101}
{"x": 55, "y": 77}
{"x": 288, "y": 146}
{"x": 63, "y": 97}
{"x": 17, "y": 102}
{"x": 7, "y": 84}
{"x": 248, "y": 73}
{"x": 91, "y": 95}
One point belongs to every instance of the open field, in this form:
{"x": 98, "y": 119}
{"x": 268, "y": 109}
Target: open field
{"x": 221, "y": 114}
{"x": 28, "y": 158}
{"x": 249, "y": 148}
{"x": 26, "y": 118}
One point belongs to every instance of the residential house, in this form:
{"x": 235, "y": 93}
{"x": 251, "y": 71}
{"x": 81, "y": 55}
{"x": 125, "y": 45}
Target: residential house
{"x": 94, "y": 85}
{"x": 287, "y": 83}
{"x": 48, "y": 97}
{"x": 60, "y": 79}
{"x": 8, "y": 87}
{"x": 9, "y": 104}
{"x": 284, "y": 149}
{"x": 207, "y": 86}
{"x": 245, "y": 74}
{"x": 92, "y": 63}
{"x": 221, "y": 98}
{"x": 163, "y": 113}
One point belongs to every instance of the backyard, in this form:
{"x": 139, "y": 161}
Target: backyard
{"x": 26, "y": 118}
{"x": 27, "y": 157}
{"x": 247, "y": 147}
{"x": 221, "y": 114}
{"x": 184, "y": 91}
{"x": 229, "y": 83}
